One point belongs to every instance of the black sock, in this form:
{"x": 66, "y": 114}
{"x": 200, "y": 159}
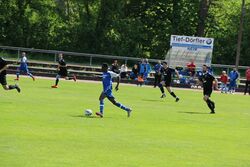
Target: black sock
{"x": 210, "y": 104}
{"x": 172, "y": 94}
{"x": 12, "y": 87}
{"x": 161, "y": 88}
{"x": 57, "y": 80}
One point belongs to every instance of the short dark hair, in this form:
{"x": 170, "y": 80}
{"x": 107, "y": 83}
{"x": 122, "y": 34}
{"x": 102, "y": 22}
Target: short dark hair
{"x": 164, "y": 62}
{"x": 105, "y": 65}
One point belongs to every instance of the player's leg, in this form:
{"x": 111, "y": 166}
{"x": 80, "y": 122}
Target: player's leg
{"x": 210, "y": 103}
{"x": 29, "y": 74}
{"x": 18, "y": 74}
{"x": 247, "y": 87}
{"x": 8, "y": 87}
{"x": 172, "y": 93}
{"x": 57, "y": 81}
{"x": 155, "y": 83}
{"x": 113, "y": 101}
{"x": 161, "y": 86}
{"x": 101, "y": 100}
{"x": 73, "y": 77}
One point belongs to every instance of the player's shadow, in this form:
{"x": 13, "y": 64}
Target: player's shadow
{"x": 152, "y": 100}
{"x": 83, "y": 116}
{"x": 192, "y": 112}
{"x": 88, "y": 117}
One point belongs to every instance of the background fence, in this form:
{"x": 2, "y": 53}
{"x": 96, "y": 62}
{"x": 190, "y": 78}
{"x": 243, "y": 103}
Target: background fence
{"x": 86, "y": 59}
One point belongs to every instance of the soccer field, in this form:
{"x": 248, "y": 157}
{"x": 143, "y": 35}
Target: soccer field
{"x": 45, "y": 127}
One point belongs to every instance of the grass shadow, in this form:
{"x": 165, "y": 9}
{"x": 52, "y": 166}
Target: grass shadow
{"x": 153, "y": 100}
{"x": 192, "y": 112}
{"x": 84, "y": 116}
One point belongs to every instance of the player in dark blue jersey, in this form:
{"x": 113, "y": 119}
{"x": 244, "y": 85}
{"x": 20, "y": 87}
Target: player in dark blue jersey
{"x": 208, "y": 81}
{"x": 107, "y": 90}
{"x": 62, "y": 71}
{"x": 167, "y": 79}
{"x": 3, "y": 82}
{"x": 23, "y": 67}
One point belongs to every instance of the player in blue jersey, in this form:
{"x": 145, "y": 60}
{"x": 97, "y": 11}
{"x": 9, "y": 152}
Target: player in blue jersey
{"x": 23, "y": 67}
{"x": 107, "y": 90}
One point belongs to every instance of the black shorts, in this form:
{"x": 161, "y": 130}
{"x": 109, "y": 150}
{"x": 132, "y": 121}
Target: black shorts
{"x": 167, "y": 83}
{"x": 207, "y": 92}
{"x": 3, "y": 79}
{"x": 63, "y": 72}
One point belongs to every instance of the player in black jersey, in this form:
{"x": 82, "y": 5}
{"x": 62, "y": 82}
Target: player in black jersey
{"x": 208, "y": 82}
{"x": 62, "y": 71}
{"x": 167, "y": 79}
{"x": 3, "y": 67}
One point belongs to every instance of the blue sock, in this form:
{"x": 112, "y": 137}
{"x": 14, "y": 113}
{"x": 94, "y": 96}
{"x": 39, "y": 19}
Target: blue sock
{"x": 122, "y": 106}
{"x": 17, "y": 75}
{"x": 30, "y": 75}
{"x": 101, "y": 106}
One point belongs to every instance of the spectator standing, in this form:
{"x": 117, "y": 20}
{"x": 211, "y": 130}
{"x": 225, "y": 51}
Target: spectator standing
{"x": 134, "y": 72}
{"x": 147, "y": 69}
{"x": 142, "y": 68}
{"x": 247, "y": 81}
{"x": 233, "y": 78}
{"x": 157, "y": 69}
{"x": 224, "y": 80}
{"x": 115, "y": 67}
{"x": 191, "y": 68}
{"x": 124, "y": 70}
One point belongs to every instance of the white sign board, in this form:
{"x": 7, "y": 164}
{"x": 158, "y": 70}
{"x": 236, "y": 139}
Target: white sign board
{"x": 183, "y": 49}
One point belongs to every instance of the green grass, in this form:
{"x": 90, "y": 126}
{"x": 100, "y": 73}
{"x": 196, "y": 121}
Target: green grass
{"x": 44, "y": 127}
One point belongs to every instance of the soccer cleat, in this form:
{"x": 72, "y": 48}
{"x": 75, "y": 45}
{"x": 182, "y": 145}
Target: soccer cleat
{"x": 163, "y": 95}
{"x": 212, "y": 112}
{"x": 129, "y": 112}
{"x": 17, "y": 79}
{"x": 74, "y": 78}
{"x": 33, "y": 78}
{"x": 99, "y": 114}
{"x": 177, "y": 99}
{"x": 54, "y": 86}
{"x": 17, "y": 88}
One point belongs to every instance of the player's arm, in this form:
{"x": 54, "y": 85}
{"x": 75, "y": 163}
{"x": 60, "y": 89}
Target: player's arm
{"x": 177, "y": 73}
{"x": 118, "y": 78}
{"x": 215, "y": 84}
{"x": 118, "y": 82}
{"x": 4, "y": 68}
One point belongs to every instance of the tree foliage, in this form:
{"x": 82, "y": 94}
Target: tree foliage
{"x": 138, "y": 28}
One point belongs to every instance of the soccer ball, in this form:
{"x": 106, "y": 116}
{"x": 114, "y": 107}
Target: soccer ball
{"x": 88, "y": 112}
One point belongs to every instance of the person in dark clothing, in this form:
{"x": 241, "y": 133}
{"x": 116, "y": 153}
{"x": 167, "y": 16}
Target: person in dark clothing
{"x": 134, "y": 72}
{"x": 167, "y": 73}
{"x": 115, "y": 67}
{"x": 157, "y": 69}
{"x": 208, "y": 81}
{"x": 3, "y": 73}
{"x": 62, "y": 71}
{"x": 247, "y": 81}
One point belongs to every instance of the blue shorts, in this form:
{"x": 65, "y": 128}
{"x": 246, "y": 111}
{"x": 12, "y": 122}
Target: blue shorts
{"x": 232, "y": 84}
{"x": 24, "y": 69}
{"x": 109, "y": 94}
